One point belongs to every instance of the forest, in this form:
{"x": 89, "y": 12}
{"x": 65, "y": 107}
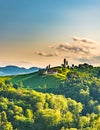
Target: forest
{"x": 73, "y": 105}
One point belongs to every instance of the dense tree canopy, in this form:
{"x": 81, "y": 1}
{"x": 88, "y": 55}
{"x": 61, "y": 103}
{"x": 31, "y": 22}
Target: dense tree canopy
{"x": 75, "y": 105}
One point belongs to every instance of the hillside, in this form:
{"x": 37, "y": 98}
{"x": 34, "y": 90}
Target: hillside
{"x": 70, "y": 100}
{"x": 46, "y": 82}
{"x": 35, "y": 81}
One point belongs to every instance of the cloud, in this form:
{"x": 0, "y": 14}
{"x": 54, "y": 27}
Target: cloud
{"x": 78, "y": 47}
{"x": 46, "y": 54}
{"x": 52, "y": 47}
{"x": 92, "y": 60}
{"x": 83, "y": 40}
{"x": 75, "y": 48}
{"x": 80, "y": 50}
{"x": 97, "y": 57}
{"x": 24, "y": 62}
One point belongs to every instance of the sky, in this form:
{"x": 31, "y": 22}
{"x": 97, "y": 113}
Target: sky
{"x": 42, "y": 32}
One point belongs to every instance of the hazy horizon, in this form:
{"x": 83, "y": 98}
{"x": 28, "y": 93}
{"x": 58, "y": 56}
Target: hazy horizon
{"x": 38, "y": 33}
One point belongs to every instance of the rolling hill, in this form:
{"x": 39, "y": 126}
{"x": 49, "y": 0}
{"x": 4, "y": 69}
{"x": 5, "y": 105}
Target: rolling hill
{"x": 36, "y": 81}
{"x": 45, "y": 82}
{"x": 39, "y": 82}
{"x": 69, "y": 99}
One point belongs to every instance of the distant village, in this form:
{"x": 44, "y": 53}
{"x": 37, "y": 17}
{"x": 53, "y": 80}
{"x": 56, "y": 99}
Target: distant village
{"x": 49, "y": 70}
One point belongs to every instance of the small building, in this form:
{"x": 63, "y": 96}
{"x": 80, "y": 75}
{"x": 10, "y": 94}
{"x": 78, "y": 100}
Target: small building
{"x": 51, "y": 71}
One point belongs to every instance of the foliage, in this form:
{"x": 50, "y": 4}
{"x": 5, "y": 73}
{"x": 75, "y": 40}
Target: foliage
{"x": 73, "y": 104}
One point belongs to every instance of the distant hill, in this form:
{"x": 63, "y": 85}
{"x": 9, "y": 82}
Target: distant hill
{"x": 15, "y": 70}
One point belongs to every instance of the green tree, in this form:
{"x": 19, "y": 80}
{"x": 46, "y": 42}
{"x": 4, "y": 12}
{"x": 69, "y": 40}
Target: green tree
{"x": 84, "y": 122}
{"x": 6, "y": 126}
{"x": 3, "y": 117}
{"x": 29, "y": 114}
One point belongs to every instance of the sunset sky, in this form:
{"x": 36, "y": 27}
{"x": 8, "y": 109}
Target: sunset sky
{"x": 42, "y": 32}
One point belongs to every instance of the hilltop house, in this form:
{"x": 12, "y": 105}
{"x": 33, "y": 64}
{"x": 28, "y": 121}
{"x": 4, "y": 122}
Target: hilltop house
{"x": 51, "y": 71}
